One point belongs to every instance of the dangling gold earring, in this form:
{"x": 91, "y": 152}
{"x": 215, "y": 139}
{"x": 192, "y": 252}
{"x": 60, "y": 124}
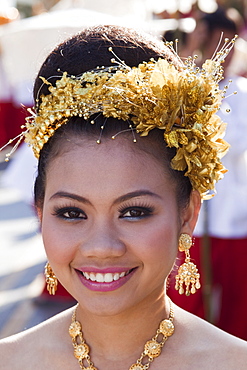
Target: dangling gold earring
{"x": 51, "y": 279}
{"x": 187, "y": 272}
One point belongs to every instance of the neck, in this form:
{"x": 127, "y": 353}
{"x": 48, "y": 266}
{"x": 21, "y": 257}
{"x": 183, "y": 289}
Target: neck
{"x": 124, "y": 335}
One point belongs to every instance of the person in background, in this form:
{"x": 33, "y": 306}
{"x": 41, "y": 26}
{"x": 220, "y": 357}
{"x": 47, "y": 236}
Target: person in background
{"x": 8, "y": 111}
{"x": 221, "y": 232}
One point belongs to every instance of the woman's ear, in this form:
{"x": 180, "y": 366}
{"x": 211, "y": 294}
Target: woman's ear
{"x": 190, "y": 213}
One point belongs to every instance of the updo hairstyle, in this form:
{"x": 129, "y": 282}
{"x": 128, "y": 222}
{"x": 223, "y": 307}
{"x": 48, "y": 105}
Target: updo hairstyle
{"x": 85, "y": 52}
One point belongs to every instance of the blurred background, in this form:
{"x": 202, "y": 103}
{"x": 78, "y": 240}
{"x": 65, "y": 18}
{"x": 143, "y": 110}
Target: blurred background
{"x": 29, "y": 30}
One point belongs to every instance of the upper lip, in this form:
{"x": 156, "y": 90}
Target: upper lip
{"x": 104, "y": 270}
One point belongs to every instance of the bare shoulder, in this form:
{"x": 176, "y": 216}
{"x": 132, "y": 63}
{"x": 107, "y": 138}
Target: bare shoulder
{"x": 34, "y": 346}
{"x": 211, "y": 347}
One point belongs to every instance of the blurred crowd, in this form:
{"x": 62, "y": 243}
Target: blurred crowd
{"x": 221, "y": 235}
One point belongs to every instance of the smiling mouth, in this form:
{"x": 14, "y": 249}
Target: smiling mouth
{"x": 105, "y": 278}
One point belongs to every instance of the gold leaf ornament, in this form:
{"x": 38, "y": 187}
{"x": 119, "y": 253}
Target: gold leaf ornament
{"x": 183, "y": 103}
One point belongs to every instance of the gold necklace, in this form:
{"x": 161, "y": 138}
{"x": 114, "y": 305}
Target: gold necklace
{"x": 152, "y": 348}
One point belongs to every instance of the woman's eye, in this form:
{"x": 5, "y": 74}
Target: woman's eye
{"x": 70, "y": 214}
{"x": 74, "y": 214}
{"x": 136, "y": 213}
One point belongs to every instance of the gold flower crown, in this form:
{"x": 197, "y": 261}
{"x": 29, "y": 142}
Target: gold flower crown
{"x": 182, "y": 103}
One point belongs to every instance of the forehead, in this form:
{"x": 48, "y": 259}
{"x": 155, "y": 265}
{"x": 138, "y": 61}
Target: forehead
{"x": 119, "y": 165}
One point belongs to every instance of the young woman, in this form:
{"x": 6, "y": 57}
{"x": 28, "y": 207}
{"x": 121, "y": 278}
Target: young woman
{"x": 125, "y": 156}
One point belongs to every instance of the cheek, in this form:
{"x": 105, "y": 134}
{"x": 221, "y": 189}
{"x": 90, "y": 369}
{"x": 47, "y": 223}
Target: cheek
{"x": 158, "y": 248}
{"x": 59, "y": 244}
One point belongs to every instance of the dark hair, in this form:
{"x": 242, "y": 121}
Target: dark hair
{"x": 89, "y": 49}
{"x": 85, "y": 52}
{"x": 223, "y": 19}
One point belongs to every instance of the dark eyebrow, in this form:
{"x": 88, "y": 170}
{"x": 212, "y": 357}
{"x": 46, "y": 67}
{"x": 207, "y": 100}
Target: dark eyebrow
{"x": 63, "y": 194}
{"x": 122, "y": 198}
{"x": 134, "y": 194}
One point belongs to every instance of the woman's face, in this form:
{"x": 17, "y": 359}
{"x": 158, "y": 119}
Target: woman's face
{"x": 110, "y": 224}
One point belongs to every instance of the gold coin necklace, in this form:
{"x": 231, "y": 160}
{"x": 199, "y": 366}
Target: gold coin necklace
{"x": 152, "y": 348}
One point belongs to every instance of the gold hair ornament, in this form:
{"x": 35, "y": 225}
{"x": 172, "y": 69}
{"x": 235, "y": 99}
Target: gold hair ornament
{"x": 183, "y": 103}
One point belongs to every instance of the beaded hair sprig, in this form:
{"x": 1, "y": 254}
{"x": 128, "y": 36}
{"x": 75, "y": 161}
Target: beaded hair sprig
{"x": 183, "y": 103}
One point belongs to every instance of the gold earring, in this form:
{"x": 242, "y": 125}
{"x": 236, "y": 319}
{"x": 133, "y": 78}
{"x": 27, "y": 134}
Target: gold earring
{"x": 51, "y": 279}
{"x": 187, "y": 272}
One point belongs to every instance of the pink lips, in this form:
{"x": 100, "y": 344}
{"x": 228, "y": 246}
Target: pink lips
{"x": 108, "y": 279}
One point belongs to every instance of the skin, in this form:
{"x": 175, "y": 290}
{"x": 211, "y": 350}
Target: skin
{"x": 126, "y": 216}
{"x": 106, "y": 235}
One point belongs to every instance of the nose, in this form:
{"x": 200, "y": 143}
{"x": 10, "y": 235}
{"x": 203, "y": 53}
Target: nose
{"x": 103, "y": 241}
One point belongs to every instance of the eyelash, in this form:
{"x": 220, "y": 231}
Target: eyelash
{"x": 61, "y": 211}
{"x": 146, "y": 211}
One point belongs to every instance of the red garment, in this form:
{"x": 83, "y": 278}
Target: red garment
{"x": 228, "y": 290}
{"x": 5, "y": 112}
{"x": 11, "y": 119}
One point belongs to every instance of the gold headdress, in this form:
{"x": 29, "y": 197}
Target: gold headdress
{"x": 182, "y": 103}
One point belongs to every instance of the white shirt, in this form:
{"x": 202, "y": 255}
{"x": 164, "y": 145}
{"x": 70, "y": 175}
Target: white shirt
{"x": 226, "y": 213}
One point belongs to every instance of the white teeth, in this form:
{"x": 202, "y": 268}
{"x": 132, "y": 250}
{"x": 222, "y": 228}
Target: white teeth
{"x": 92, "y": 276}
{"x": 104, "y": 278}
{"x": 99, "y": 278}
{"x": 108, "y": 278}
{"x": 116, "y": 276}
